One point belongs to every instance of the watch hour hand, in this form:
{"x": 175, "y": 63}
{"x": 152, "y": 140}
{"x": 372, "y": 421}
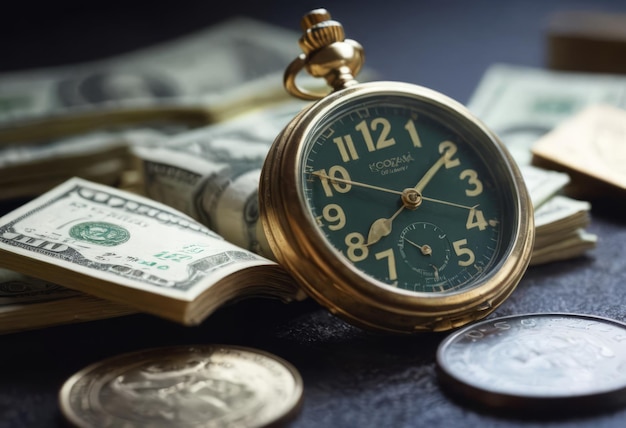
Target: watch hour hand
{"x": 381, "y": 227}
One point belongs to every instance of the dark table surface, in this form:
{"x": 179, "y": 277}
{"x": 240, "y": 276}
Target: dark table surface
{"x": 352, "y": 378}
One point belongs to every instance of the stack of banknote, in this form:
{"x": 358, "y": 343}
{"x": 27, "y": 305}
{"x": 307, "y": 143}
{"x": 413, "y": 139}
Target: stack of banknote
{"x": 187, "y": 126}
{"x": 80, "y": 120}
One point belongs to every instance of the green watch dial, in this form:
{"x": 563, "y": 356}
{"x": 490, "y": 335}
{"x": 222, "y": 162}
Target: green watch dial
{"x": 409, "y": 192}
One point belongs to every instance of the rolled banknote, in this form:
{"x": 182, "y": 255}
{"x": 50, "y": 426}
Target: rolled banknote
{"x": 212, "y": 173}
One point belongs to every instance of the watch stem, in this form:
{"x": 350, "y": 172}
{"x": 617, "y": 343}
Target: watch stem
{"x": 327, "y": 54}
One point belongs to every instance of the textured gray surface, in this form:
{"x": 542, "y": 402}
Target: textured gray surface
{"x": 353, "y": 378}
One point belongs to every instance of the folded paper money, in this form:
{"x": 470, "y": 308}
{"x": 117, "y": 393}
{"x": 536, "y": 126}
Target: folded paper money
{"x": 131, "y": 250}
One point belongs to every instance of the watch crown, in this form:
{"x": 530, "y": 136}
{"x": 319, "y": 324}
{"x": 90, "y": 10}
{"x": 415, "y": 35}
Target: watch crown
{"x": 313, "y": 17}
{"x": 321, "y": 34}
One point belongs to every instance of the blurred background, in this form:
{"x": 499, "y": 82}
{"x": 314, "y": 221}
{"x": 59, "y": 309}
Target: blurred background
{"x": 446, "y": 45}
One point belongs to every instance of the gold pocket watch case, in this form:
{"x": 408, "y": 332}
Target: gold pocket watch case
{"x": 388, "y": 202}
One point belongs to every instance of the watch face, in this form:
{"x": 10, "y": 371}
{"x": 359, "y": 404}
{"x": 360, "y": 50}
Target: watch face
{"x": 409, "y": 190}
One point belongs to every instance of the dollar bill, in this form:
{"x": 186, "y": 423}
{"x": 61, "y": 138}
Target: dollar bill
{"x": 212, "y": 173}
{"x": 520, "y": 104}
{"x": 132, "y": 250}
{"x": 198, "y": 78}
{"x": 27, "y": 303}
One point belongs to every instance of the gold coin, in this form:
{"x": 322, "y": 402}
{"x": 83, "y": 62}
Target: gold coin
{"x": 184, "y": 386}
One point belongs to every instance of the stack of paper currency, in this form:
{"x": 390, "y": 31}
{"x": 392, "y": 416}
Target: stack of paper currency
{"x": 80, "y": 120}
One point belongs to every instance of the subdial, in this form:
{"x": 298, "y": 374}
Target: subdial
{"x": 425, "y": 248}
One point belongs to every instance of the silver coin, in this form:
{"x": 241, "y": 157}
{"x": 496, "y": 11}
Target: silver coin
{"x": 554, "y": 362}
{"x": 186, "y": 386}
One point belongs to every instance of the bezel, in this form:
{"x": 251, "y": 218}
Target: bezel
{"x": 332, "y": 279}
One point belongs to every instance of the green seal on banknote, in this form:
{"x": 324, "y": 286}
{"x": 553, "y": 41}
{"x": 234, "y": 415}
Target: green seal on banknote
{"x": 100, "y": 233}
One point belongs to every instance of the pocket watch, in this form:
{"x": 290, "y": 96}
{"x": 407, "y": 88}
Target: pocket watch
{"x": 390, "y": 203}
